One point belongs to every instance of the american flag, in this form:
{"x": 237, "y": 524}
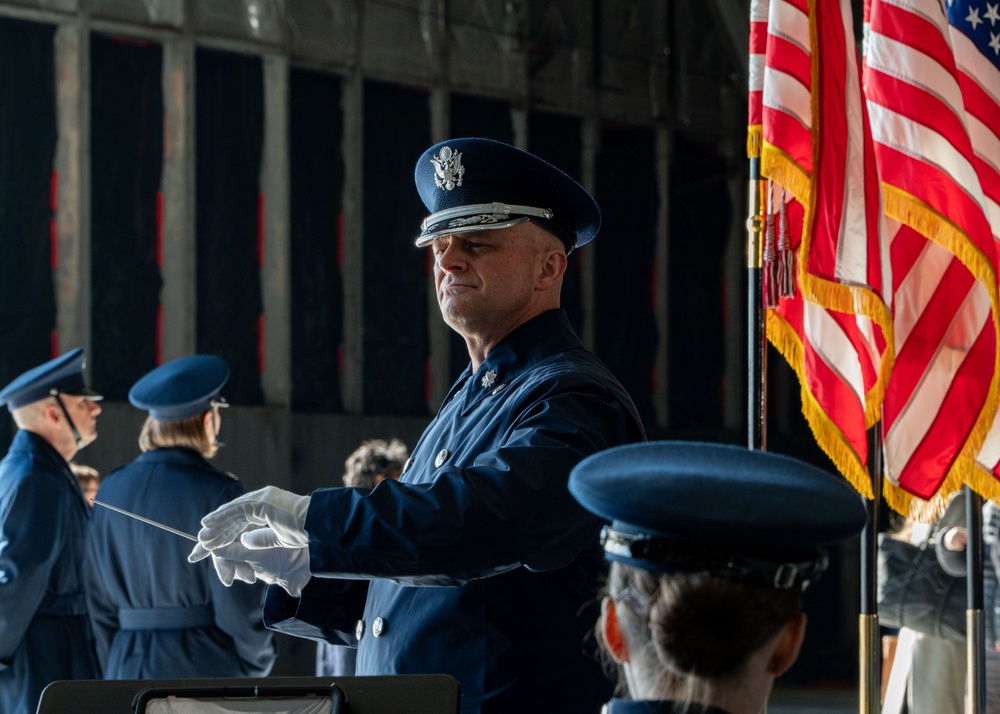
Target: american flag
{"x": 807, "y": 119}
{"x": 932, "y": 86}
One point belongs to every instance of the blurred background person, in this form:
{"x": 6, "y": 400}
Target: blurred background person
{"x": 89, "y": 480}
{"x": 711, "y": 546}
{"x": 156, "y": 616}
{"x": 371, "y": 463}
{"x": 44, "y": 634}
{"x": 927, "y": 673}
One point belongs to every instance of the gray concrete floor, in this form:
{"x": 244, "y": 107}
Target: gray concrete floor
{"x": 820, "y": 700}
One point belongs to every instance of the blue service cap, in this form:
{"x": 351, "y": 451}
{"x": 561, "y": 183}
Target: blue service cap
{"x": 482, "y": 184}
{"x": 181, "y": 388}
{"x": 679, "y": 506}
{"x": 62, "y": 375}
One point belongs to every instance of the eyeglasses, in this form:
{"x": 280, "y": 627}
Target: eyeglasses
{"x": 627, "y": 593}
{"x": 219, "y": 403}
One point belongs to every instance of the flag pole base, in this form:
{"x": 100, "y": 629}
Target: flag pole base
{"x": 869, "y": 657}
{"x": 975, "y": 681}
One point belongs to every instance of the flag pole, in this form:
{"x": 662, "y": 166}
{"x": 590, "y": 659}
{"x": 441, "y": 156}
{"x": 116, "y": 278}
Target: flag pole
{"x": 756, "y": 342}
{"x": 975, "y": 637}
{"x": 869, "y": 650}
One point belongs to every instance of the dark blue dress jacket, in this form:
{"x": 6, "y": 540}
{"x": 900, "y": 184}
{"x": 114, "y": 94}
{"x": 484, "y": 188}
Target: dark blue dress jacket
{"x": 481, "y": 563}
{"x": 155, "y": 615}
{"x": 44, "y": 634}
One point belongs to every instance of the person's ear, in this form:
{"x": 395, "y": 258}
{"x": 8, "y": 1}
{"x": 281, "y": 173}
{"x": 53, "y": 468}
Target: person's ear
{"x": 786, "y": 649}
{"x": 211, "y": 426}
{"x": 553, "y": 266}
{"x": 52, "y": 414}
{"x": 613, "y": 639}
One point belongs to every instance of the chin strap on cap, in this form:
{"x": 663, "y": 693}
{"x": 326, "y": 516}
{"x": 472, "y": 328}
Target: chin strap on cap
{"x": 69, "y": 419}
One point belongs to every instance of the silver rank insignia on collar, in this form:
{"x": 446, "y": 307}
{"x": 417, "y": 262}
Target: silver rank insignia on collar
{"x": 489, "y": 378}
{"x": 448, "y": 169}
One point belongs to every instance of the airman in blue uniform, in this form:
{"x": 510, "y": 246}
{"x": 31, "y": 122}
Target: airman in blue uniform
{"x": 44, "y": 632}
{"x": 155, "y": 615}
{"x": 710, "y": 546}
{"x": 480, "y": 563}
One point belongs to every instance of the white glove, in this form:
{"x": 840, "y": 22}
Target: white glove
{"x": 283, "y": 512}
{"x": 287, "y": 567}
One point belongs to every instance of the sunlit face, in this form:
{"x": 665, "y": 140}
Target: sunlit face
{"x": 486, "y": 280}
{"x": 84, "y": 413}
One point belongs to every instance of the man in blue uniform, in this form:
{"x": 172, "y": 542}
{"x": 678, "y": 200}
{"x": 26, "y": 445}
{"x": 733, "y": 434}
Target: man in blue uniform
{"x": 44, "y": 634}
{"x": 481, "y": 563}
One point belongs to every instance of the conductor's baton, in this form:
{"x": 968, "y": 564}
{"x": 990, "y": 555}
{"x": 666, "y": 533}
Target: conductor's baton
{"x": 182, "y": 534}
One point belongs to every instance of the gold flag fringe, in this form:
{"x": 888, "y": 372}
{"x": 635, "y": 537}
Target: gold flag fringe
{"x": 916, "y": 508}
{"x": 984, "y": 483}
{"x": 981, "y": 481}
{"x": 755, "y": 139}
{"x": 778, "y": 166}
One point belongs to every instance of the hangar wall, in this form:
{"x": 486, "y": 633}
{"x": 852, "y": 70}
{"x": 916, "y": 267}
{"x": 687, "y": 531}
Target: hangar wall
{"x": 233, "y": 177}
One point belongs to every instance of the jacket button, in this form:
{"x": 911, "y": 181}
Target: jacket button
{"x": 441, "y": 457}
{"x": 359, "y": 630}
{"x": 378, "y": 626}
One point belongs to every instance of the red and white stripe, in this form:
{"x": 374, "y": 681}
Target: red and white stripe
{"x": 787, "y": 89}
{"x": 758, "y": 50}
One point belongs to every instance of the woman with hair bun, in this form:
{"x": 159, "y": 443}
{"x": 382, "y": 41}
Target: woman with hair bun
{"x": 711, "y": 547}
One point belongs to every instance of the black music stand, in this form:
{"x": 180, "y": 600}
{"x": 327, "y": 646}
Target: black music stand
{"x": 402, "y": 694}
